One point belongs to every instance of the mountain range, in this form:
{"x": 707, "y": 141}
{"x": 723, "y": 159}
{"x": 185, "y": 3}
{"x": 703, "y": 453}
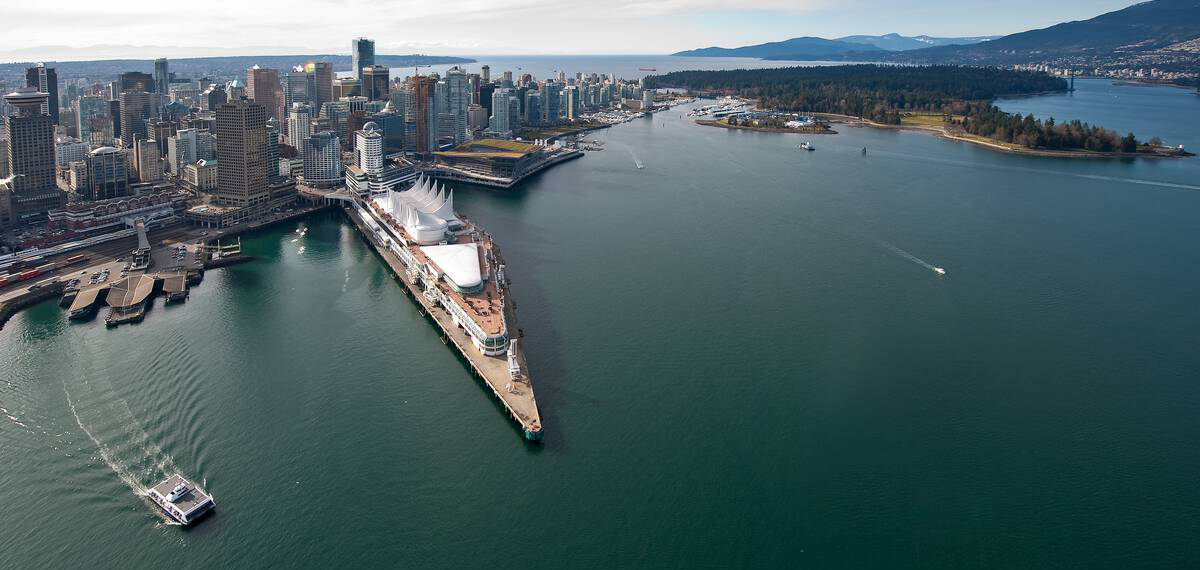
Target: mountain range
{"x": 1159, "y": 33}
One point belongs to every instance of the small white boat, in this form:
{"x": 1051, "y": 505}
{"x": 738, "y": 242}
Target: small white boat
{"x": 939, "y": 270}
{"x": 807, "y": 146}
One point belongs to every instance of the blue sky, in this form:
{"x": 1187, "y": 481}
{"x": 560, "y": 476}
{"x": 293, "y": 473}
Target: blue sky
{"x": 215, "y": 27}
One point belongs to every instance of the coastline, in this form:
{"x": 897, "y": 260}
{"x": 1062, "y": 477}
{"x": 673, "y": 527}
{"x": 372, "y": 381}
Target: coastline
{"x": 801, "y": 131}
{"x": 942, "y": 132}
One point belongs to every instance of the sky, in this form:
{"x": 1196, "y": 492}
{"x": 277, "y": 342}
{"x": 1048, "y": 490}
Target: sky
{"x": 73, "y": 28}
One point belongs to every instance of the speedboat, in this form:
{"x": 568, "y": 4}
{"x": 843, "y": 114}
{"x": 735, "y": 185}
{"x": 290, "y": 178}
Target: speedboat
{"x": 939, "y": 270}
{"x": 807, "y": 146}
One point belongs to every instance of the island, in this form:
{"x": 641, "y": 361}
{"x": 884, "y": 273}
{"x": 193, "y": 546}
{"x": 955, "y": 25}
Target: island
{"x": 955, "y": 102}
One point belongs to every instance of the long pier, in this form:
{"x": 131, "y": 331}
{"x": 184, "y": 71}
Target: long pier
{"x": 515, "y": 394}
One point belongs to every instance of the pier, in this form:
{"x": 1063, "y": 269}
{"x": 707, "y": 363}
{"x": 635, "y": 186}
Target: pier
{"x": 506, "y": 377}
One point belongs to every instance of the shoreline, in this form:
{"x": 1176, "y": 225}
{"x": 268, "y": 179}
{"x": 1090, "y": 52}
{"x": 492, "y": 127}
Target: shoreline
{"x": 942, "y": 132}
{"x": 802, "y": 131}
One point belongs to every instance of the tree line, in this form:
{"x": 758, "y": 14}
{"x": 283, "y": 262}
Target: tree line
{"x": 883, "y": 93}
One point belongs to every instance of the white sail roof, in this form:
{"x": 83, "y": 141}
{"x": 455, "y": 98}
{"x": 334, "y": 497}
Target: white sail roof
{"x": 459, "y": 261}
{"x": 426, "y": 208}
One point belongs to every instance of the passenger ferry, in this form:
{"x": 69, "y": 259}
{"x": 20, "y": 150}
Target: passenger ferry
{"x": 181, "y": 499}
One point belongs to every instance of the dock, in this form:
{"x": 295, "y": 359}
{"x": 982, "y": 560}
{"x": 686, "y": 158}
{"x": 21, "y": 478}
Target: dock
{"x": 513, "y": 389}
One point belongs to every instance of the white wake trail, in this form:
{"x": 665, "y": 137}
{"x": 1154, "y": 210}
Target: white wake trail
{"x": 910, "y": 257}
{"x": 125, "y": 474}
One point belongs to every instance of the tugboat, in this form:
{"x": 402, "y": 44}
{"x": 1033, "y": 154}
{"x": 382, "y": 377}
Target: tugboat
{"x": 807, "y": 146}
{"x": 181, "y": 500}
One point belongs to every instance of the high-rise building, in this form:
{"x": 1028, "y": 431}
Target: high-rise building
{"x": 485, "y": 74}
{"x": 45, "y": 80}
{"x": 501, "y": 120}
{"x": 146, "y": 161}
{"x": 362, "y": 55}
{"x": 420, "y": 112}
{"x": 181, "y": 150}
{"x": 272, "y": 149}
{"x": 458, "y": 96}
{"x": 391, "y": 122}
{"x": 68, "y": 150}
{"x": 299, "y": 126}
{"x": 212, "y": 98}
{"x": 477, "y": 118}
{"x": 376, "y": 83}
{"x": 368, "y": 149}
{"x": 135, "y": 111}
{"x": 533, "y": 108}
{"x": 107, "y": 174}
{"x": 242, "y": 154}
{"x": 322, "y": 160}
{"x": 299, "y": 86}
{"x": 323, "y": 77}
{"x": 570, "y": 101}
{"x": 262, "y": 86}
{"x": 30, "y": 156}
{"x": 92, "y": 120}
{"x": 162, "y": 78}
{"x": 551, "y": 102}
{"x": 135, "y": 81}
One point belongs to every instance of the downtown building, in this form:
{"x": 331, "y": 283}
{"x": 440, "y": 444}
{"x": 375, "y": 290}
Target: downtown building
{"x": 30, "y": 190}
{"x": 372, "y": 172}
{"x": 323, "y": 161}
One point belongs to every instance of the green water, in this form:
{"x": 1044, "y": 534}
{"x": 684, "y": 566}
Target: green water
{"x": 736, "y": 364}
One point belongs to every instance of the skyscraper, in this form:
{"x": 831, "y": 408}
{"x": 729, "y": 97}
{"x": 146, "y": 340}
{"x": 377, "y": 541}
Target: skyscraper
{"x": 299, "y": 86}
{"x": 323, "y": 75}
{"x": 30, "y": 155}
{"x": 500, "y": 122}
{"x": 362, "y": 55}
{"x": 376, "y": 83}
{"x": 107, "y": 174}
{"x": 262, "y": 86}
{"x": 135, "y": 81}
{"x": 485, "y": 74}
{"x": 45, "y": 80}
{"x": 92, "y": 120}
{"x": 242, "y": 153}
{"x": 458, "y": 96}
{"x": 420, "y": 112}
{"x": 135, "y": 110}
{"x": 162, "y": 79}
{"x": 299, "y": 126}
{"x": 322, "y": 160}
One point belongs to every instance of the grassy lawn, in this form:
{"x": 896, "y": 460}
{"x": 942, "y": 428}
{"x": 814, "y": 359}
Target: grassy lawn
{"x": 918, "y": 120}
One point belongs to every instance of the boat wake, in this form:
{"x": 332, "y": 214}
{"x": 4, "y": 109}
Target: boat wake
{"x": 636, "y": 162}
{"x": 124, "y": 459}
{"x": 911, "y": 257}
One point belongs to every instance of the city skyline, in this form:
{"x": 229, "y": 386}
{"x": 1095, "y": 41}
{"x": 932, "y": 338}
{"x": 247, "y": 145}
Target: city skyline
{"x": 411, "y": 27}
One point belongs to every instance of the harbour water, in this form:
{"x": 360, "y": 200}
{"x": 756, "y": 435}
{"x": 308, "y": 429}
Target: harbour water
{"x": 736, "y": 364}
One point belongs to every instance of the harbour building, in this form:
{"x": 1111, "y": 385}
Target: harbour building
{"x": 107, "y": 174}
{"x": 493, "y": 158}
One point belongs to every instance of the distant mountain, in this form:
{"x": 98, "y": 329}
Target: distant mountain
{"x": 800, "y": 49}
{"x": 897, "y": 42}
{"x": 1156, "y": 26}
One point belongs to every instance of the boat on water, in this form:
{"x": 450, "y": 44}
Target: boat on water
{"x": 939, "y": 270}
{"x": 864, "y": 151}
{"x": 807, "y": 146}
{"x": 182, "y": 500}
